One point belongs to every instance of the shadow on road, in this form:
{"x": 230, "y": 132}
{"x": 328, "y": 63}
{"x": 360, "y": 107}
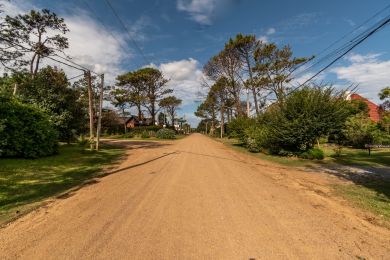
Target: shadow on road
{"x": 140, "y": 164}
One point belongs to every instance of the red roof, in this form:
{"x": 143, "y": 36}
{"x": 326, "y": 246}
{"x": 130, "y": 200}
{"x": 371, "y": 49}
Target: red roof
{"x": 374, "y": 110}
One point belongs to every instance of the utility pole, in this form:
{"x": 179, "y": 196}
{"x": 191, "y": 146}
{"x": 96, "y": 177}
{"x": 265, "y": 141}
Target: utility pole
{"x": 99, "y": 125}
{"x": 90, "y": 106}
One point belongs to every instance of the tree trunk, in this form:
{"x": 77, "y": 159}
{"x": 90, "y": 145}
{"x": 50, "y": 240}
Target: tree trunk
{"x": 251, "y": 84}
{"x": 32, "y": 65}
{"x": 222, "y": 122}
{"x": 152, "y": 112}
{"x": 139, "y": 112}
{"x": 37, "y": 65}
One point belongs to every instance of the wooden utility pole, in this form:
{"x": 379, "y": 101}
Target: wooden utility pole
{"x": 99, "y": 125}
{"x": 90, "y": 106}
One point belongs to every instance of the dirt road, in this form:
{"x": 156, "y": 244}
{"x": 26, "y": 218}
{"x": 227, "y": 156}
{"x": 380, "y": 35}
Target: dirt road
{"x": 196, "y": 199}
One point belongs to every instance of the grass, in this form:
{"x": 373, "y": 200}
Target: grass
{"x": 350, "y": 156}
{"x": 24, "y": 182}
{"x": 370, "y": 195}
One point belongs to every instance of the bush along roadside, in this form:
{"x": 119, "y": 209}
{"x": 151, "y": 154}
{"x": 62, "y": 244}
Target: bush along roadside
{"x": 166, "y": 133}
{"x": 25, "y": 131}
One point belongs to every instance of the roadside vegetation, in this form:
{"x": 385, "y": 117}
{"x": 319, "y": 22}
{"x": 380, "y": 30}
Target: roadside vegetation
{"x": 252, "y": 106}
{"x": 29, "y": 181}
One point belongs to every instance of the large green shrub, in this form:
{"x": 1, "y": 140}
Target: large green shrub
{"x": 360, "y": 130}
{"x": 236, "y": 128}
{"x": 25, "y": 131}
{"x": 165, "y": 133}
{"x": 297, "y": 122}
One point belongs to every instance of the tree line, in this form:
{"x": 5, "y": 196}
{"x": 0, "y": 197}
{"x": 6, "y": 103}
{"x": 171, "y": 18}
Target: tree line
{"x": 55, "y": 108}
{"x": 250, "y": 96}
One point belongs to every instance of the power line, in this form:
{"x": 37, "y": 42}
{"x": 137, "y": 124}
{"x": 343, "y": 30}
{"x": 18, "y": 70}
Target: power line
{"x": 103, "y": 24}
{"x": 128, "y": 32}
{"x": 75, "y": 77}
{"x": 363, "y": 38}
{"x": 344, "y": 46}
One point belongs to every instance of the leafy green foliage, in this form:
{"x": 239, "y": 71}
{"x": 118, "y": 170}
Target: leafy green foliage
{"x": 170, "y": 104}
{"x": 25, "y": 131}
{"x": 236, "y": 128}
{"x": 312, "y": 154}
{"x": 50, "y": 91}
{"x": 359, "y": 130}
{"x": 165, "y": 133}
{"x": 303, "y": 117}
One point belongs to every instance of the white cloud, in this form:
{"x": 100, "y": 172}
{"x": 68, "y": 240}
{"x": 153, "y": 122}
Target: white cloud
{"x": 186, "y": 78}
{"x": 264, "y": 38}
{"x": 200, "y": 11}
{"x": 87, "y": 47}
{"x": 271, "y": 31}
{"x": 371, "y": 73}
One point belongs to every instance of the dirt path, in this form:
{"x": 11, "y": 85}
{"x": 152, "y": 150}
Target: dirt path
{"x": 196, "y": 199}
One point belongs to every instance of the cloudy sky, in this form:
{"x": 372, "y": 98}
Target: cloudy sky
{"x": 179, "y": 36}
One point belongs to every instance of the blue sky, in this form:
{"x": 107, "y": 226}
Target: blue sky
{"x": 179, "y": 36}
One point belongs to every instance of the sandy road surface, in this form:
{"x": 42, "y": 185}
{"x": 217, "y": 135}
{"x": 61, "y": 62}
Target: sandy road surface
{"x": 196, "y": 199}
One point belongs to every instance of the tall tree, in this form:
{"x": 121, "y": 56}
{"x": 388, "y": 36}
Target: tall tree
{"x": 155, "y": 88}
{"x": 219, "y": 94}
{"x": 170, "y": 104}
{"x": 38, "y": 34}
{"x": 208, "y": 111}
{"x": 130, "y": 91}
{"x": 227, "y": 64}
{"x": 246, "y": 46}
{"x": 274, "y": 68}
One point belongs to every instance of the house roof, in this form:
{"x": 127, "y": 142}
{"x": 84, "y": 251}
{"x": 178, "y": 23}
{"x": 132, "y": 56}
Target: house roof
{"x": 374, "y": 109}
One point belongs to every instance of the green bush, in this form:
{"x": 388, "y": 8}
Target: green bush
{"x": 236, "y": 128}
{"x": 165, "y": 133}
{"x": 128, "y": 135}
{"x": 25, "y": 131}
{"x": 360, "y": 130}
{"x": 145, "y": 134}
{"x": 313, "y": 154}
{"x": 296, "y": 123}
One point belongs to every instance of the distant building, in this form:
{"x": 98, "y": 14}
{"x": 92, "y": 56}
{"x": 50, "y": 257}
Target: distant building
{"x": 374, "y": 111}
{"x": 134, "y": 121}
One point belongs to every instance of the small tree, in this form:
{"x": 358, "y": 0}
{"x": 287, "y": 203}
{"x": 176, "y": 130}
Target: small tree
{"x": 170, "y": 104}
{"x": 360, "y": 130}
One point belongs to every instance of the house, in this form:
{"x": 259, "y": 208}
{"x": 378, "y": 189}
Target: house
{"x": 133, "y": 121}
{"x": 374, "y": 111}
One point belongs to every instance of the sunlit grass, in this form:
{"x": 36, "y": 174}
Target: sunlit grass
{"x": 24, "y": 181}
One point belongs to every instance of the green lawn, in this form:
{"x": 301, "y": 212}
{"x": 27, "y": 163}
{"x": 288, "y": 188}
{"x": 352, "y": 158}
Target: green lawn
{"x": 370, "y": 195}
{"x": 349, "y": 156}
{"x": 24, "y": 182}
